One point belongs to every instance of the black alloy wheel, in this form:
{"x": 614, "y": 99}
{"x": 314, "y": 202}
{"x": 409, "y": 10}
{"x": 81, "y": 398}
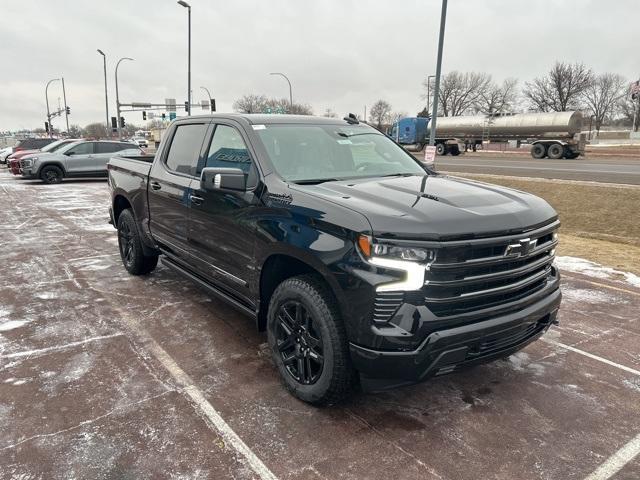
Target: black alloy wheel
{"x": 126, "y": 244}
{"x": 299, "y": 343}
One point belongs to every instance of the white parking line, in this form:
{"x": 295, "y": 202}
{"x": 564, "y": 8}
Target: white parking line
{"x": 197, "y": 398}
{"x": 55, "y": 348}
{"x": 616, "y": 461}
{"x": 591, "y": 355}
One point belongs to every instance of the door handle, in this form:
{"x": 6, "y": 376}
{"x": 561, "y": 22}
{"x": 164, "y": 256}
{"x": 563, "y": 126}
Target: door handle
{"x": 156, "y": 186}
{"x": 196, "y": 200}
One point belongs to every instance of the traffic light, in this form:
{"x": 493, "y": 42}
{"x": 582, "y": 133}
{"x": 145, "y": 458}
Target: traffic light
{"x": 114, "y": 124}
{"x": 186, "y": 107}
{"x": 46, "y": 126}
{"x": 213, "y": 104}
{"x": 144, "y": 115}
{"x": 68, "y": 109}
{"x": 164, "y": 117}
{"x": 122, "y": 124}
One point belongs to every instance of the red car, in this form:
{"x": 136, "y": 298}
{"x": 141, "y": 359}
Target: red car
{"x": 13, "y": 161}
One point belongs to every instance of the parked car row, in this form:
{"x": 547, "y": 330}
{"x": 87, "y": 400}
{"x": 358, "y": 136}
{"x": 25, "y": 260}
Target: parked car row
{"x": 69, "y": 158}
{"x": 26, "y": 144}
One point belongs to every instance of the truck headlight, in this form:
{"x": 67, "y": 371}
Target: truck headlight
{"x": 413, "y": 261}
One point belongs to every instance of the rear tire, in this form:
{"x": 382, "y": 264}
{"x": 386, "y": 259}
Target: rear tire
{"x": 130, "y": 246}
{"x": 555, "y": 151}
{"x": 538, "y": 151}
{"x": 441, "y": 149}
{"x": 308, "y": 342}
{"x": 51, "y": 174}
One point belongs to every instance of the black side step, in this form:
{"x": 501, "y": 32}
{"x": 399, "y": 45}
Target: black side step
{"x": 216, "y": 292}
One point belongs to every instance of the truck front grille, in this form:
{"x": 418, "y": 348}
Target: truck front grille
{"x": 489, "y": 272}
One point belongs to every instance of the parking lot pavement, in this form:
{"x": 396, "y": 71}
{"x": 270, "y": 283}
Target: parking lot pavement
{"x": 105, "y": 375}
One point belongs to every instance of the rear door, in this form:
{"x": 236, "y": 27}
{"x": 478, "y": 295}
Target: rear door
{"x": 106, "y": 150}
{"x": 221, "y": 232}
{"x": 80, "y": 159}
{"x": 169, "y": 187}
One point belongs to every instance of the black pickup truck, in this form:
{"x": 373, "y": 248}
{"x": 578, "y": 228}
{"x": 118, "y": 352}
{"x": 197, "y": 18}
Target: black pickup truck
{"x": 362, "y": 264}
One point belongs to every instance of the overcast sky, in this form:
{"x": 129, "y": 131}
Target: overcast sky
{"x": 339, "y": 54}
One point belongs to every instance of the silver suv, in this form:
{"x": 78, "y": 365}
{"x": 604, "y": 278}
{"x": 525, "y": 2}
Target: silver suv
{"x": 79, "y": 159}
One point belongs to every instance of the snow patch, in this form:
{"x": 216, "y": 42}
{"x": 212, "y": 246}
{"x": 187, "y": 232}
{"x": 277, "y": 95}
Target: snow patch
{"x": 580, "y": 265}
{"x": 12, "y": 324}
{"x": 588, "y": 295}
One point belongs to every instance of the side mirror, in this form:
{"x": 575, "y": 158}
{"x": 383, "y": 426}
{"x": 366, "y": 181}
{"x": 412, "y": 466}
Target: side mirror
{"x": 213, "y": 178}
{"x": 68, "y": 154}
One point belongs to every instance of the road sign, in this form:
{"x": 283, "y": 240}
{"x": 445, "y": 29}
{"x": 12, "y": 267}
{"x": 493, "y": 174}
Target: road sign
{"x": 204, "y": 104}
{"x": 171, "y": 104}
{"x": 172, "y": 115}
{"x": 151, "y": 115}
{"x": 430, "y": 155}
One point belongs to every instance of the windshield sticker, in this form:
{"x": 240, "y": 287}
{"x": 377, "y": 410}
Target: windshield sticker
{"x": 259, "y": 127}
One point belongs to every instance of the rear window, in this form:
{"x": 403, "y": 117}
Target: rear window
{"x": 184, "y": 150}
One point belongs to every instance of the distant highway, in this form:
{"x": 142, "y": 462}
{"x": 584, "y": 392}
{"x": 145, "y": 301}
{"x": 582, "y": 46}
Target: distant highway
{"x": 614, "y": 169}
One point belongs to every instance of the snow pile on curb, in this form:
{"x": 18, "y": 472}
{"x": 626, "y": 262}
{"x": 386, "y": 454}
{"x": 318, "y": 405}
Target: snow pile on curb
{"x": 580, "y": 265}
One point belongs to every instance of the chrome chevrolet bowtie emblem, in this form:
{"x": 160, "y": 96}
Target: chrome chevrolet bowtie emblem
{"x": 520, "y": 249}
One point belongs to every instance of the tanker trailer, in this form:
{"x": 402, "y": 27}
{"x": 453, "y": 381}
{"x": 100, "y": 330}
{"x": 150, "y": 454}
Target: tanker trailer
{"x": 554, "y": 135}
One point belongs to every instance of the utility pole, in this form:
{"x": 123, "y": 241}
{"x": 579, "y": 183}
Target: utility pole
{"x": 188, "y": 7}
{"x": 106, "y": 97}
{"x": 46, "y": 97}
{"x": 436, "y": 89}
{"x": 118, "y": 99}
{"x": 66, "y": 109}
{"x": 365, "y": 114}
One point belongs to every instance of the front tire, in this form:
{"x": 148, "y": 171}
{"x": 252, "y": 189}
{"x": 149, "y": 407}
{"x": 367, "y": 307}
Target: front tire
{"x": 51, "y": 174}
{"x": 441, "y": 149}
{"x": 130, "y": 246}
{"x": 308, "y": 341}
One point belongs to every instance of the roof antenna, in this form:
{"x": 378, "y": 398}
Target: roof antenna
{"x": 351, "y": 119}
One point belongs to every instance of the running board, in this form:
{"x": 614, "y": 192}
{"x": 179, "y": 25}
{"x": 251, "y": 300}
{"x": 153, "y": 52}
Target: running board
{"x": 216, "y": 292}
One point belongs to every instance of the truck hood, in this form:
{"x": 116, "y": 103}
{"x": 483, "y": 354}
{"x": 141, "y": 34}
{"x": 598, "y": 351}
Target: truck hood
{"x": 436, "y": 207}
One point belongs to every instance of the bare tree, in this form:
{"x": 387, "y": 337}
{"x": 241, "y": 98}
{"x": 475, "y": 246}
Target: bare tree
{"x": 282, "y": 105}
{"x": 380, "y": 113}
{"x": 629, "y": 109}
{"x": 561, "y": 89}
{"x": 603, "y": 95}
{"x": 251, "y": 103}
{"x": 498, "y": 98}
{"x": 76, "y": 131}
{"x": 96, "y": 130}
{"x": 459, "y": 92}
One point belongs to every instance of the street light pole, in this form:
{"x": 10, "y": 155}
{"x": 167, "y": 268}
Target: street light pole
{"x": 46, "y": 97}
{"x": 436, "y": 89}
{"x": 188, "y": 7}
{"x": 118, "y": 99}
{"x": 429, "y": 91}
{"x": 290, "y": 91}
{"x": 210, "y": 99}
{"x": 106, "y": 97}
{"x": 66, "y": 111}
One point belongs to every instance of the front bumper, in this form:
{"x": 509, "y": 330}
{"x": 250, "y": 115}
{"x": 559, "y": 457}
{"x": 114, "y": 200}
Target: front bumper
{"x": 447, "y": 350}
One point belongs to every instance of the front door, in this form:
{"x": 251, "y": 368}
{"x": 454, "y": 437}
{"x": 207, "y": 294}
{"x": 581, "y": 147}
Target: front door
{"x": 169, "y": 190}
{"x": 80, "y": 159}
{"x": 221, "y": 230}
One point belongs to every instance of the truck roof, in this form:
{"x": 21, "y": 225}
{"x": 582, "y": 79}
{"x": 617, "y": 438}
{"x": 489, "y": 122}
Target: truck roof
{"x": 265, "y": 119}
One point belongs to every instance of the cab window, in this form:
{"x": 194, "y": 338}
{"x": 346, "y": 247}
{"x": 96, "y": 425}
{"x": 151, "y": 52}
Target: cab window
{"x": 81, "y": 149}
{"x": 227, "y": 150}
{"x": 184, "y": 150}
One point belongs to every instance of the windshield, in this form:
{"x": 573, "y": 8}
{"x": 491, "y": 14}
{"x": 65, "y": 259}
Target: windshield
{"x": 52, "y": 147}
{"x": 68, "y": 146}
{"x": 319, "y": 153}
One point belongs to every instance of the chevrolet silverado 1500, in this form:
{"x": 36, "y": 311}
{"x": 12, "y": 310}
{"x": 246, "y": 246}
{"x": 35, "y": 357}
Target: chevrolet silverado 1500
{"x": 362, "y": 264}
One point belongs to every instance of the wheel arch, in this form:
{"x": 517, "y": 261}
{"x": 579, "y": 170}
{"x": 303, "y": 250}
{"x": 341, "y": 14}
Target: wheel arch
{"x": 280, "y": 266}
{"x": 51, "y": 164}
